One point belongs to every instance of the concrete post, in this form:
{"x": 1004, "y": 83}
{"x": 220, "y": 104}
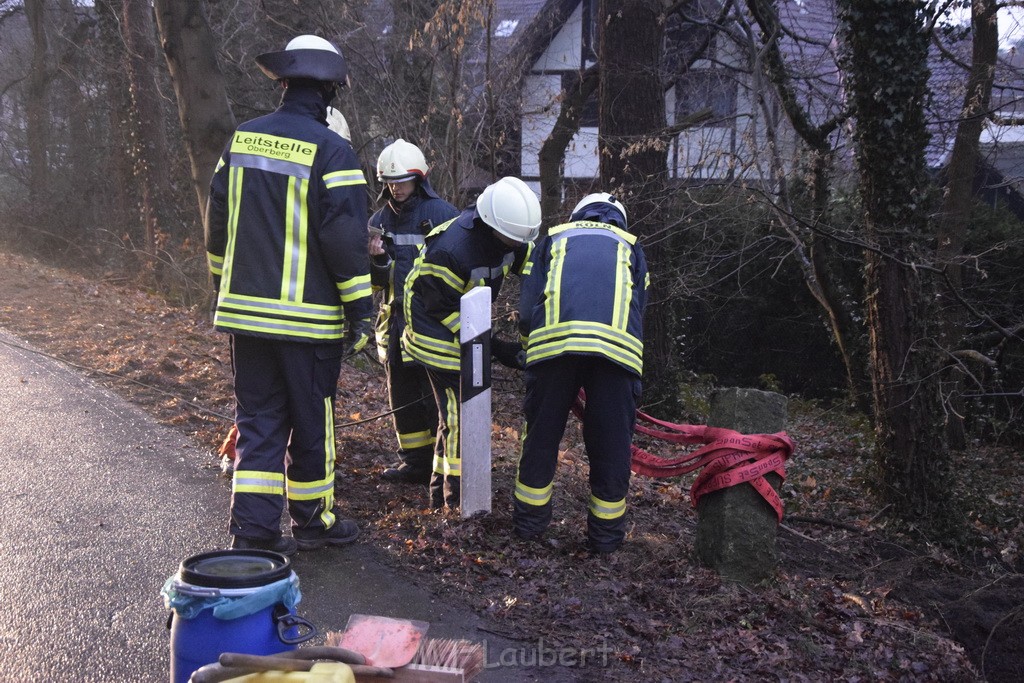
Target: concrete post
{"x": 736, "y": 527}
{"x": 475, "y": 397}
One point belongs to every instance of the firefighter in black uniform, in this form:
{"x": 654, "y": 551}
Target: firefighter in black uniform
{"x": 476, "y": 249}
{"x": 581, "y": 313}
{"x": 397, "y": 231}
{"x": 286, "y": 243}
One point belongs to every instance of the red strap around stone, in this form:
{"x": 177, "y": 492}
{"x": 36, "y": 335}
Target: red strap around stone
{"x": 727, "y": 458}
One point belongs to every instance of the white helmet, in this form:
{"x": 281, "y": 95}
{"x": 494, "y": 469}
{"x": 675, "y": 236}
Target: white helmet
{"x": 602, "y": 198}
{"x": 512, "y": 208}
{"x": 305, "y": 56}
{"x": 336, "y": 122}
{"x": 400, "y": 161}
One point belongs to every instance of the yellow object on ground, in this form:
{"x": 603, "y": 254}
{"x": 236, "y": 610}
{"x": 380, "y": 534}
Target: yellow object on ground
{"x": 322, "y": 672}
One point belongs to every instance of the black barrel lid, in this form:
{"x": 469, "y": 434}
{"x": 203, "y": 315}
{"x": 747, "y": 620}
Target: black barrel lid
{"x": 235, "y": 568}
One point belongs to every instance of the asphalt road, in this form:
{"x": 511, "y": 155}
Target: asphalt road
{"x": 99, "y": 505}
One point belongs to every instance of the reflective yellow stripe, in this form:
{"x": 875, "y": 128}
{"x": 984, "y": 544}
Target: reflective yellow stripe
{"x": 309, "y": 490}
{"x": 603, "y": 509}
{"x": 451, "y": 464}
{"x": 585, "y": 329}
{"x": 288, "y": 267}
{"x": 324, "y": 488}
{"x": 444, "y": 274}
{"x": 531, "y": 496}
{"x": 330, "y": 463}
{"x": 254, "y": 481}
{"x": 539, "y": 352}
{"x": 566, "y": 229}
{"x": 453, "y": 322}
{"x": 328, "y": 518}
{"x": 620, "y": 304}
{"x": 330, "y": 447}
{"x": 291, "y": 328}
{"x": 552, "y": 288}
{"x": 412, "y": 440}
{"x": 235, "y": 176}
{"x": 343, "y": 178}
{"x": 293, "y": 270}
{"x": 220, "y": 165}
{"x": 355, "y": 288}
{"x": 257, "y": 304}
{"x": 216, "y": 263}
{"x": 438, "y": 353}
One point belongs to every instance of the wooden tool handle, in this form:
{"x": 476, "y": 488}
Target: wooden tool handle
{"x": 337, "y": 654}
{"x": 264, "y": 662}
{"x": 215, "y": 673}
{"x": 360, "y": 670}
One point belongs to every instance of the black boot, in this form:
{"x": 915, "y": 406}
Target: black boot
{"x": 453, "y": 492}
{"x": 404, "y": 473}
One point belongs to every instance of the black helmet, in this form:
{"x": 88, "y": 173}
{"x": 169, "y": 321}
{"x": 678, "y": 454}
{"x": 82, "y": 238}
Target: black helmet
{"x": 306, "y": 56}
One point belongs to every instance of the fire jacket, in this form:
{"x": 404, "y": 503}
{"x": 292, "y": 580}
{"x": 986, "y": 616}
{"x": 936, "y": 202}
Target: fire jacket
{"x": 459, "y": 255}
{"x": 286, "y": 227}
{"x": 405, "y": 227}
{"x": 585, "y": 293}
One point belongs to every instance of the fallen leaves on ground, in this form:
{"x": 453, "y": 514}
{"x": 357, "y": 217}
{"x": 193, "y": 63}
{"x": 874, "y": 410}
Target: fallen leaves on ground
{"x": 844, "y": 605}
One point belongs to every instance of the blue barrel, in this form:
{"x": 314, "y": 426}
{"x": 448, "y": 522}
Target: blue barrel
{"x": 232, "y": 601}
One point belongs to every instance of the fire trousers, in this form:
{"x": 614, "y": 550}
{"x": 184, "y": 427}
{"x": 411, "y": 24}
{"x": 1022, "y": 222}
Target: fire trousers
{"x": 416, "y": 421}
{"x": 612, "y": 393}
{"x": 284, "y": 410}
{"x": 445, "y": 482}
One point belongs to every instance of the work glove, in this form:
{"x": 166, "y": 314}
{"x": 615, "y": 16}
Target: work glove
{"x": 358, "y": 335}
{"x": 509, "y": 353}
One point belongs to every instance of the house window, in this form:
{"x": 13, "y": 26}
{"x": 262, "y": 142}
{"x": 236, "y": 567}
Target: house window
{"x": 706, "y": 89}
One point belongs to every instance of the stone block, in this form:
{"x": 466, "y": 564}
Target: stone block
{"x": 736, "y": 527}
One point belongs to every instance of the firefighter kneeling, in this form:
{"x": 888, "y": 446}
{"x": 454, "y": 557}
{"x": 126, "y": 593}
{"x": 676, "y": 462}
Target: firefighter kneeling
{"x": 581, "y": 313}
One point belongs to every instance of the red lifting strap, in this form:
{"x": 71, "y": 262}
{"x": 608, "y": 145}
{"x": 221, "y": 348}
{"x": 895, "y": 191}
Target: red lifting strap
{"x": 727, "y": 458}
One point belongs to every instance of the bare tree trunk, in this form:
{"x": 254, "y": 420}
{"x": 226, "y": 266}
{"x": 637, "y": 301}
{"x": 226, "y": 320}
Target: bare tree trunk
{"x": 150, "y": 138}
{"x": 960, "y": 172}
{"x": 37, "y": 111}
{"x": 816, "y": 268}
{"x": 959, "y": 195}
{"x": 411, "y": 69}
{"x": 115, "y": 165}
{"x": 206, "y": 118}
{"x": 78, "y": 113}
{"x": 552, "y": 152}
{"x": 633, "y": 157}
{"x": 891, "y": 137}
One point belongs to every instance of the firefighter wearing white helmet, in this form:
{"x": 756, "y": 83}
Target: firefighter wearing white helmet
{"x": 400, "y": 161}
{"x": 397, "y": 231}
{"x": 581, "y": 312}
{"x": 478, "y": 248}
{"x": 294, "y": 293}
{"x": 511, "y": 208}
{"x": 601, "y": 207}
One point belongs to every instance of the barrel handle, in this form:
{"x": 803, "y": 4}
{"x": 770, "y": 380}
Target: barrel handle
{"x": 285, "y": 620}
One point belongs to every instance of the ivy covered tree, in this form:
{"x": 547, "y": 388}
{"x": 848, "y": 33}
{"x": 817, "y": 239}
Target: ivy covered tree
{"x": 887, "y": 69}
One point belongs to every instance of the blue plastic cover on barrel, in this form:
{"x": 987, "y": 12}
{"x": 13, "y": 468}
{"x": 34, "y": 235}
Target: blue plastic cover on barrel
{"x": 231, "y": 601}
